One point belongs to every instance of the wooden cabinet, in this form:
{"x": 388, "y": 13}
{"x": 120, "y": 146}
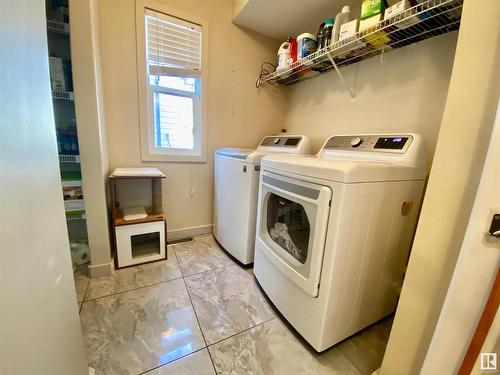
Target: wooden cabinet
{"x": 140, "y": 240}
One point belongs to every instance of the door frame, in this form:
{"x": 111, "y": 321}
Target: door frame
{"x": 473, "y": 279}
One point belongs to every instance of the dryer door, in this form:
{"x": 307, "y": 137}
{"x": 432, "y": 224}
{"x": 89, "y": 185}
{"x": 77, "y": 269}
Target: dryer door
{"x": 293, "y": 223}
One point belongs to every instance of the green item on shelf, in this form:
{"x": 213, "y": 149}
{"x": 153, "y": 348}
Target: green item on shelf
{"x": 370, "y": 8}
{"x": 71, "y": 175}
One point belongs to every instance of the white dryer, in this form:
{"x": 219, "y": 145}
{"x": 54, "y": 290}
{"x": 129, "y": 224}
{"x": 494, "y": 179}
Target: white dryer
{"x": 334, "y": 232}
{"x": 236, "y": 190}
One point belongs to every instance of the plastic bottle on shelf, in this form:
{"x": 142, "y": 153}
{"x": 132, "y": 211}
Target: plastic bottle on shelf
{"x": 306, "y": 45}
{"x": 284, "y": 56}
{"x": 293, "y": 48}
{"x": 341, "y": 18}
{"x": 320, "y": 36}
{"x": 327, "y": 33}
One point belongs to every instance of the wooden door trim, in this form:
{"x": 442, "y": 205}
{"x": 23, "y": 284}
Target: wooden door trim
{"x": 482, "y": 329}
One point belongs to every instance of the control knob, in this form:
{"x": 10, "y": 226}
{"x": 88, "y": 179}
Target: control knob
{"x": 276, "y": 141}
{"x": 355, "y": 142}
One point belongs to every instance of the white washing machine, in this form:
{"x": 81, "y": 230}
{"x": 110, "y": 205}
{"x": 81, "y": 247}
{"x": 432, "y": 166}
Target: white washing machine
{"x": 334, "y": 232}
{"x": 236, "y": 190}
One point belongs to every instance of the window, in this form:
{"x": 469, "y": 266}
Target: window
{"x": 171, "y": 47}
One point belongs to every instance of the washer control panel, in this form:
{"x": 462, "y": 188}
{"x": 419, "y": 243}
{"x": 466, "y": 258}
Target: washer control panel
{"x": 367, "y": 143}
{"x": 281, "y": 141}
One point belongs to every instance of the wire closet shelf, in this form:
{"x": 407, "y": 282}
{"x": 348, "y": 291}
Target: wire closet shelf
{"x": 58, "y": 27}
{"x": 425, "y": 20}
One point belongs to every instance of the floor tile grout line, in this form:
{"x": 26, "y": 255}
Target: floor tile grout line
{"x": 243, "y": 331}
{"x": 199, "y": 324}
{"x": 339, "y": 350}
{"x": 212, "y": 360}
{"x": 145, "y": 286}
{"x": 86, "y": 290}
{"x": 183, "y": 277}
{"x": 351, "y": 362}
{"x": 196, "y": 316}
{"x": 346, "y": 356}
{"x": 197, "y": 273}
{"x": 208, "y": 347}
{"x": 192, "y": 305}
{"x": 155, "y": 284}
{"x": 175, "y": 360}
{"x": 130, "y": 290}
{"x": 213, "y": 269}
{"x": 194, "y": 309}
{"x": 84, "y": 294}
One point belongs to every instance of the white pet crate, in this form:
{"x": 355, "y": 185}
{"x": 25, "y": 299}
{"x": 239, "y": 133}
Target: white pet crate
{"x": 140, "y": 243}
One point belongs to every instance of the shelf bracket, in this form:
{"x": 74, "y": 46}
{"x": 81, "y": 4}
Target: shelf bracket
{"x": 341, "y": 76}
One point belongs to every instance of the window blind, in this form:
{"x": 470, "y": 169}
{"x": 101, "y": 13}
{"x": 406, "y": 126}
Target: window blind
{"x": 173, "y": 45}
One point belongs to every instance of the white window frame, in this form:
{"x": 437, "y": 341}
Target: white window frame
{"x": 146, "y": 116}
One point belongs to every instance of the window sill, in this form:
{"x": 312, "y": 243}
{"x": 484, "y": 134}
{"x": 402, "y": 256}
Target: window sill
{"x": 146, "y": 156}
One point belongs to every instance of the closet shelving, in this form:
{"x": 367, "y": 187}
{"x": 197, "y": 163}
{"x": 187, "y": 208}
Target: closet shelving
{"x": 75, "y": 215}
{"x": 59, "y": 46}
{"x": 425, "y": 20}
{"x": 64, "y": 95}
{"x": 57, "y": 27}
{"x": 69, "y": 159}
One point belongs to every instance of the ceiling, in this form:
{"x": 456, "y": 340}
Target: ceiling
{"x": 280, "y": 19}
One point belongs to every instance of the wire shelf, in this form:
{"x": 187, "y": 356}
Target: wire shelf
{"x": 75, "y": 215}
{"x": 426, "y": 20}
{"x": 75, "y": 208}
{"x": 65, "y": 95}
{"x": 69, "y": 159}
{"x": 58, "y": 27}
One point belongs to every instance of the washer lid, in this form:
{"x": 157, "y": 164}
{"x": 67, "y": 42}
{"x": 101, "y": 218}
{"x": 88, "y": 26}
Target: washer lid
{"x": 236, "y": 153}
{"x": 285, "y": 144}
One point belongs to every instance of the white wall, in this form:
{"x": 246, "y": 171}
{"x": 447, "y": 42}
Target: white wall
{"x": 463, "y": 138}
{"x": 238, "y": 114}
{"x": 404, "y": 93}
{"x": 473, "y": 276}
{"x": 89, "y": 107}
{"x": 39, "y": 325}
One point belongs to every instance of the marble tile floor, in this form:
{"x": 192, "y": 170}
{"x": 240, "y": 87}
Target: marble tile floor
{"x": 200, "y": 313}
{"x": 81, "y": 283}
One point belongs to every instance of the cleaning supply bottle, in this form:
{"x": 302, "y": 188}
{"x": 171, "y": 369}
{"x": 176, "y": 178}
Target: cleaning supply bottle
{"x": 320, "y": 36}
{"x": 327, "y": 32}
{"x": 343, "y": 17}
{"x": 284, "y": 56}
{"x": 293, "y": 48}
{"x": 306, "y": 45}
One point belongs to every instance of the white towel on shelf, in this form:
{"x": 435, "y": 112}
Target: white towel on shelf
{"x": 134, "y": 213}
{"x": 137, "y": 172}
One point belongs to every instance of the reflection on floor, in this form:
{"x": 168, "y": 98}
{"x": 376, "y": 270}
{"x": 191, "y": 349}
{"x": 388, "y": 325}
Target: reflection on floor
{"x": 200, "y": 313}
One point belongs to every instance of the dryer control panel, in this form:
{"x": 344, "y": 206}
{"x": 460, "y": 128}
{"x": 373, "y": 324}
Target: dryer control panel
{"x": 370, "y": 143}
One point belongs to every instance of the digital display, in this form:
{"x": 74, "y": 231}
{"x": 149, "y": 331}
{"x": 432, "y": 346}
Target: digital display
{"x": 292, "y": 141}
{"x": 391, "y": 143}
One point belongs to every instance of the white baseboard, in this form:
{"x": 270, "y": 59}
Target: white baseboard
{"x": 177, "y": 234}
{"x": 98, "y": 270}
